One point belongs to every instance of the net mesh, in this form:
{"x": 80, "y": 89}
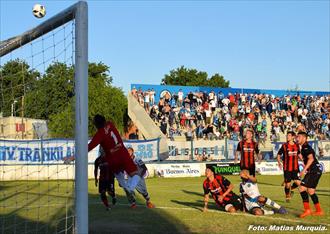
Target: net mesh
{"x": 36, "y": 106}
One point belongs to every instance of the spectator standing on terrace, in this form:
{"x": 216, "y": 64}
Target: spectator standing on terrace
{"x": 152, "y": 94}
{"x": 180, "y": 97}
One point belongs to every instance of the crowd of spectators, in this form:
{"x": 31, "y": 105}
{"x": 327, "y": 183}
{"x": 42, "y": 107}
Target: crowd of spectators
{"x": 201, "y": 115}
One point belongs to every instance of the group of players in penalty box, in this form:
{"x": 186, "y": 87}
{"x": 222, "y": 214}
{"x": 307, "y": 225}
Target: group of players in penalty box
{"x": 115, "y": 159}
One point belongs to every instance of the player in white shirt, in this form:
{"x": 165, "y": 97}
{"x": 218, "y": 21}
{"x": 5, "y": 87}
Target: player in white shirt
{"x": 141, "y": 186}
{"x": 253, "y": 201}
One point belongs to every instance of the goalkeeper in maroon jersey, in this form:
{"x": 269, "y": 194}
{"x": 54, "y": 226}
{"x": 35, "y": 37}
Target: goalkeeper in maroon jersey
{"x": 106, "y": 180}
{"x": 116, "y": 154}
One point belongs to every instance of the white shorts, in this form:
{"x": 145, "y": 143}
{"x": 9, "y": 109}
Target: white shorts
{"x": 250, "y": 205}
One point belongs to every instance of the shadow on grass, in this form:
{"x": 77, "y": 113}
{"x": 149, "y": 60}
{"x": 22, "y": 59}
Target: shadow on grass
{"x": 34, "y": 207}
{"x": 123, "y": 219}
{"x": 193, "y": 193}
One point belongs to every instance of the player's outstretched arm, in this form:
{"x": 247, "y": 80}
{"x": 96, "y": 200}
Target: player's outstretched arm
{"x": 229, "y": 189}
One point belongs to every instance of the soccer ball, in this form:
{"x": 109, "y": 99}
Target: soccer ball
{"x": 39, "y": 11}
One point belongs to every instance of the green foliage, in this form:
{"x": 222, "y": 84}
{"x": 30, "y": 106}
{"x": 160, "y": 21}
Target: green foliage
{"x": 192, "y": 77}
{"x": 13, "y": 74}
{"x": 52, "y": 95}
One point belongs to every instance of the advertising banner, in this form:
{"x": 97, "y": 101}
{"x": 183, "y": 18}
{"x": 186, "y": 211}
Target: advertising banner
{"x": 54, "y": 150}
{"x": 181, "y": 150}
{"x": 178, "y": 170}
{"x": 225, "y": 168}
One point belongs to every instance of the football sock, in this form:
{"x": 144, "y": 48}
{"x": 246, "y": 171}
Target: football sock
{"x": 304, "y": 196}
{"x": 272, "y": 203}
{"x": 294, "y": 185}
{"x": 315, "y": 198}
{"x": 104, "y": 199}
{"x": 287, "y": 191}
{"x": 268, "y": 212}
{"x": 130, "y": 196}
{"x": 146, "y": 196}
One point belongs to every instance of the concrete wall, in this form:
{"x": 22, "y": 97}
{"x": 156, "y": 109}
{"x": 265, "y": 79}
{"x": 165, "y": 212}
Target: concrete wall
{"x": 64, "y": 172}
{"x": 8, "y": 128}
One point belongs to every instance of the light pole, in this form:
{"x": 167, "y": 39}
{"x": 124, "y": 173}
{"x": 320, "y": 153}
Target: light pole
{"x": 13, "y": 108}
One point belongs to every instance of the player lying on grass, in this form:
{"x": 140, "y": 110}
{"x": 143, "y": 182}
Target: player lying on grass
{"x": 312, "y": 174}
{"x": 106, "y": 180}
{"x": 222, "y": 192}
{"x": 290, "y": 151}
{"x": 253, "y": 201}
{"x": 116, "y": 154}
{"x": 141, "y": 186}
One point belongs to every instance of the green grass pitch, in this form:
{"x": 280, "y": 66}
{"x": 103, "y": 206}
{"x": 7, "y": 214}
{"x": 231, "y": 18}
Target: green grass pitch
{"x": 178, "y": 201}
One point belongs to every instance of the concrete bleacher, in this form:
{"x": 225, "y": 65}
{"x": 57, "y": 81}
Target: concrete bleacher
{"x": 146, "y": 125}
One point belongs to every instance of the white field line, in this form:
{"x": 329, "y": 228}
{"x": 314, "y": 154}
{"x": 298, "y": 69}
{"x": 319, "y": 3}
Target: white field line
{"x": 190, "y": 209}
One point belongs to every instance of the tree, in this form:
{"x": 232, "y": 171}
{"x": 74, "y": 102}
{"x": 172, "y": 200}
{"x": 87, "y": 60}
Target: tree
{"x": 17, "y": 79}
{"x": 192, "y": 77}
{"x": 51, "y": 96}
{"x": 103, "y": 99}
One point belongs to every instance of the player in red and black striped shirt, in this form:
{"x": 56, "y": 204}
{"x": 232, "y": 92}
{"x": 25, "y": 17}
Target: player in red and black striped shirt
{"x": 290, "y": 151}
{"x": 248, "y": 150}
{"x": 221, "y": 191}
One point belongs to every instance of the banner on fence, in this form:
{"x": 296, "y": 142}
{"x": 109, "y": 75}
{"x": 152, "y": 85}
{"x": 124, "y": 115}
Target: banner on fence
{"x": 225, "y": 168}
{"x": 268, "y": 168}
{"x": 178, "y": 170}
{"x": 147, "y": 150}
{"x": 181, "y": 150}
{"x": 232, "y": 146}
{"x": 54, "y": 150}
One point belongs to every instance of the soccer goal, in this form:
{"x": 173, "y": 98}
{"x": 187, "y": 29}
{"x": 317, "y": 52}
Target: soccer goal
{"x": 44, "y": 95}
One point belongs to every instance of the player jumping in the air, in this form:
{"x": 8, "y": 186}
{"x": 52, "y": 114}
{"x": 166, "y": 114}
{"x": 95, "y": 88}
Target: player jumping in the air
{"x": 116, "y": 154}
{"x": 141, "y": 186}
{"x": 248, "y": 150}
{"x": 222, "y": 192}
{"x": 253, "y": 201}
{"x": 312, "y": 172}
{"x": 106, "y": 180}
{"x": 290, "y": 151}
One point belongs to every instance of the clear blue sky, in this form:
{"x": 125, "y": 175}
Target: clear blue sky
{"x": 254, "y": 44}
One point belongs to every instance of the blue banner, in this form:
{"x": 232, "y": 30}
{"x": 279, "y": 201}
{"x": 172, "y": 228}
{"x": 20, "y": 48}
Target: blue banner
{"x": 54, "y": 150}
{"x": 171, "y": 89}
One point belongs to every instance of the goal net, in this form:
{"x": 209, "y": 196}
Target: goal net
{"x": 43, "y": 118}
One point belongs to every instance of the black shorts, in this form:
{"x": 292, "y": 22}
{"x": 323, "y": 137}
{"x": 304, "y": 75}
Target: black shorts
{"x": 251, "y": 169}
{"x": 106, "y": 186}
{"x": 235, "y": 201}
{"x": 290, "y": 175}
{"x": 311, "y": 179}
